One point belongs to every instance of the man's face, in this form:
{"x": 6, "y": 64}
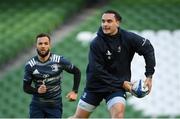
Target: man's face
{"x": 109, "y": 24}
{"x": 43, "y": 46}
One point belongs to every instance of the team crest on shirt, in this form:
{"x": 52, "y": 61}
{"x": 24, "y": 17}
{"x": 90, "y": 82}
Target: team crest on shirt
{"x": 54, "y": 67}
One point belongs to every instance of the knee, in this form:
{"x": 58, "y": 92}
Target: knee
{"x": 117, "y": 110}
{"x": 118, "y": 114}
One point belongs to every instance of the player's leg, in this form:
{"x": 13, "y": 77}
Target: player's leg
{"x": 116, "y": 104}
{"x": 36, "y": 111}
{"x": 83, "y": 109}
{"x": 117, "y": 110}
{"x": 87, "y": 104}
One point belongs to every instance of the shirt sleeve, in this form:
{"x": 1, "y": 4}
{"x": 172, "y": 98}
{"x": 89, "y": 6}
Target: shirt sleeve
{"x": 28, "y": 80}
{"x": 27, "y": 73}
{"x": 143, "y": 47}
{"x": 70, "y": 68}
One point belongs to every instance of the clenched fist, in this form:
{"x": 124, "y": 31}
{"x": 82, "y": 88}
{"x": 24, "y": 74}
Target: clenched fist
{"x": 72, "y": 96}
{"x": 42, "y": 89}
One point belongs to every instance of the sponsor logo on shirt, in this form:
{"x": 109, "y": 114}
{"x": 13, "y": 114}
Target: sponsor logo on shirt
{"x": 108, "y": 53}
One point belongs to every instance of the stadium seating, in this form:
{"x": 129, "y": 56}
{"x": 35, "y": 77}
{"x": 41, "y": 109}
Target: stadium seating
{"x": 166, "y": 78}
{"x": 21, "y": 21}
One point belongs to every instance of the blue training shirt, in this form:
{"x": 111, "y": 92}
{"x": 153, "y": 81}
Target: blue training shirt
{"x": 49, "y": 72}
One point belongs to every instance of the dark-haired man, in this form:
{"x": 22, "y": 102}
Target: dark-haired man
{"x": 109, "y": 67}
{"x": 45, "y": 71}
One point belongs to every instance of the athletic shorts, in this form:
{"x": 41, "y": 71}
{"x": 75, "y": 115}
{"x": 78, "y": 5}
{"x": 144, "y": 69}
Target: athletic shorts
{"x": 38, "y": 110}
{"x": 90, "y": 100}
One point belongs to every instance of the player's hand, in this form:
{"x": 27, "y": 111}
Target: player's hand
{"x": 148, "y": 83}
{"x": 72, "y": 96}
{"x": 42, "y": 88}
{"x": 127, "y": 86}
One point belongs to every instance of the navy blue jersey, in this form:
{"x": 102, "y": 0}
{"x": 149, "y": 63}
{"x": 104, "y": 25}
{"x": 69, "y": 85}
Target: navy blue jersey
{"x": 49, "y": 72}
{"x": 110, "y": 60}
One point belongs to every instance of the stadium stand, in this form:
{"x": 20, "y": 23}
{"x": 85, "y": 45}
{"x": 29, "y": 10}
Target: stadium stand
{"x": 21, "y": 21}
{"x": 166, "y": 86}
{"x": 155, "y": 19}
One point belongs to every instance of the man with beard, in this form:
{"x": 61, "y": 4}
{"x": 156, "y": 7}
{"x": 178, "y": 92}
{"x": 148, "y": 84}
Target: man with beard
{"x": 45, "y": 72}
{"x": 109, "y": 69}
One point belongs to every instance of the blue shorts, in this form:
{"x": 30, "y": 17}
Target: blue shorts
{"x": 90, "y": 100}
{"x": 38, "y": 110}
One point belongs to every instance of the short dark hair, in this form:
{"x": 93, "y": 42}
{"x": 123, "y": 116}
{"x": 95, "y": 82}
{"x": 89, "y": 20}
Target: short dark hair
{"x": 117, "y": 15}
{"x": 43, "y": 35}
